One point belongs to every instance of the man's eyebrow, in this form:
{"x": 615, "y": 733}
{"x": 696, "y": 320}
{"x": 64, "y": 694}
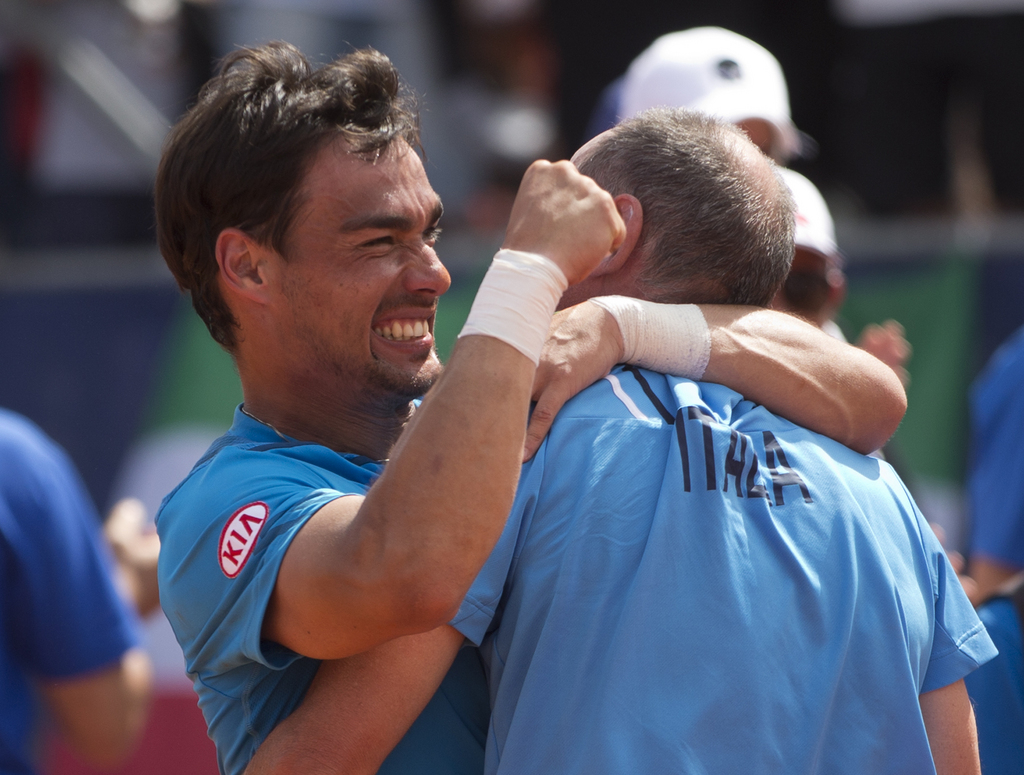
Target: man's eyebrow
{"x": 388, "y": 221}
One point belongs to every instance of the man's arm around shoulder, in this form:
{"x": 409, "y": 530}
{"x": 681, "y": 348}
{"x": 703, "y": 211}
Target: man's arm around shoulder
{"x": 357, "y": 709}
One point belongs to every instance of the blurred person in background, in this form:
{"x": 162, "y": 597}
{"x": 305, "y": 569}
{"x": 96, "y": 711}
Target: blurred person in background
{"x": 815, "y": 287}
{"x": 993, "y": 574}
{"x": 997, "y": 688}
{"x": 996, "y": 500}
{"x": 68, "y": 636}
{"x": 503, "y": 75}
{"x": 816, "y": 284}
{"x": 732, "y": 78}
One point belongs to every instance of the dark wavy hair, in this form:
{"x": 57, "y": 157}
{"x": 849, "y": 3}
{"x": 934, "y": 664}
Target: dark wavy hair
{"x": 238, "y": 157}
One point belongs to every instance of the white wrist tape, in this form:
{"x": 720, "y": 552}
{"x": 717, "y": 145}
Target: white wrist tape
{"x": 516, "y": 300}
{"x": 670, "y": 338}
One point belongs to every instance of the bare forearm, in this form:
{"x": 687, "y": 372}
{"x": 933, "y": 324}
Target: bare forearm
{"x": 398, "y": 562}
{"x": 460, "y": 472}
{"x": 357, "y": 709}
{"x": 101, "y": 715}
{"x": 803, "y": 374}
{"x": 989, "y": 576}
{"x": 136, "y": 551}
{"x": 952, "y": 735}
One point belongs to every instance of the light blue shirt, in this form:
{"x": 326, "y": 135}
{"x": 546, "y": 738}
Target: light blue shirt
{"x": 688, "y": 583}
{"x": 224, "y": 532}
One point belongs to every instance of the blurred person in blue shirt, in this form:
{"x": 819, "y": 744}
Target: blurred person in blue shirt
{"x": 67, "y": 635}
{"x": 993, "y": 574}
{"x": 997, "y": 688}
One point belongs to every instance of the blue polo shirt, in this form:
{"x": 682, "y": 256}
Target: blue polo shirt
{"x": 997, "y": 417}
{"x": 997, "y": 692}
{"x": 688, "y": 583}
{"x": 60, "y": 615}
{"x": 224, "y": 532}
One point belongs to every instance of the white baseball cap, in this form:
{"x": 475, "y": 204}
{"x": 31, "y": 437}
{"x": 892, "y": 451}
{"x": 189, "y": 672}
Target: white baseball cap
{"x": 814, "y": 228}
{"x": 715, "y": 71}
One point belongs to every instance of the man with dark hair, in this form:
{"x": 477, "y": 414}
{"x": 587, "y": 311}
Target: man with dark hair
{"x": 293, "y": 207}
{"x": 687, "y": 582}
{"x": 202, "y": 190}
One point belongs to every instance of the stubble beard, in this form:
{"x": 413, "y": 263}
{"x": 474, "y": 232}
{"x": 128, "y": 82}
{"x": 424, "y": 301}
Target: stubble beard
{"x": 381, "y": 388}
{"x": 397, "y": 384}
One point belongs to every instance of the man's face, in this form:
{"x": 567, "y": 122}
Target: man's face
{"x": 360, "y": 279}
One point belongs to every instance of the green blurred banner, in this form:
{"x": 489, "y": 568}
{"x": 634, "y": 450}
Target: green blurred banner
{"x": 936, "y": 303}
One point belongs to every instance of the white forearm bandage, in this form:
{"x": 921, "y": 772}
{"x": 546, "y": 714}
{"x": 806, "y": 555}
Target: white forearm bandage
{"x": 516, "y": 300}
{"x": 670, "y": 338}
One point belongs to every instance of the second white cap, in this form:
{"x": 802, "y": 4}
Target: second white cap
{"x": 715, "y": 71}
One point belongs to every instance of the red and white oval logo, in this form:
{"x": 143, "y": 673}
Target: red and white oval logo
{"x": 238, "y": 538}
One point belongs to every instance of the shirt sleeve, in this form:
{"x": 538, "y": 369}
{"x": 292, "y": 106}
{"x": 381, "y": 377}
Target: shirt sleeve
{"x": 960, "y": 644}
{"x": 215, "y": 589}
{"x": 67, "y": 617}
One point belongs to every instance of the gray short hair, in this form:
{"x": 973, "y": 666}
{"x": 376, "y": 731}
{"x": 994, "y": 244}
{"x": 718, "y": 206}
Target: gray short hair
{"x": 716, "y": 230}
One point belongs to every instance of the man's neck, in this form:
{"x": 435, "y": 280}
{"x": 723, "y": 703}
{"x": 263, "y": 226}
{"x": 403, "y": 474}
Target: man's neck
{"x": 368, "y": 428}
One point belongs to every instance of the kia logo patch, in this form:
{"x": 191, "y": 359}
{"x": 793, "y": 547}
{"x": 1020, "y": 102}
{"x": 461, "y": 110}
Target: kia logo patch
{"x": 238, "y": 538}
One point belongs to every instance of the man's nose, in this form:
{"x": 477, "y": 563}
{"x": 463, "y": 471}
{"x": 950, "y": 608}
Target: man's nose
{"x": 427, "y": 274}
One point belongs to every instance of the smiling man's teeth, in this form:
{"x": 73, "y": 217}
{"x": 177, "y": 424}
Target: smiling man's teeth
{"x": 401, "y": 330}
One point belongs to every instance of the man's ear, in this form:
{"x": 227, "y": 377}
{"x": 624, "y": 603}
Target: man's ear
{"x": 242, "y": 264}
{"x": 632, "y": 213}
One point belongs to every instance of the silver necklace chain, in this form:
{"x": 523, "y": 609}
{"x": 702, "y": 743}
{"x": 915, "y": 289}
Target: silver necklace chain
{"x": 247, "y": 413}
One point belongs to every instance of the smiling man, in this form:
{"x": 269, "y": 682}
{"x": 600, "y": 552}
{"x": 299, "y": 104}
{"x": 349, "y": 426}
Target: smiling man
{"x": 303, "y": 235}
{"x": 293, "y": 207}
